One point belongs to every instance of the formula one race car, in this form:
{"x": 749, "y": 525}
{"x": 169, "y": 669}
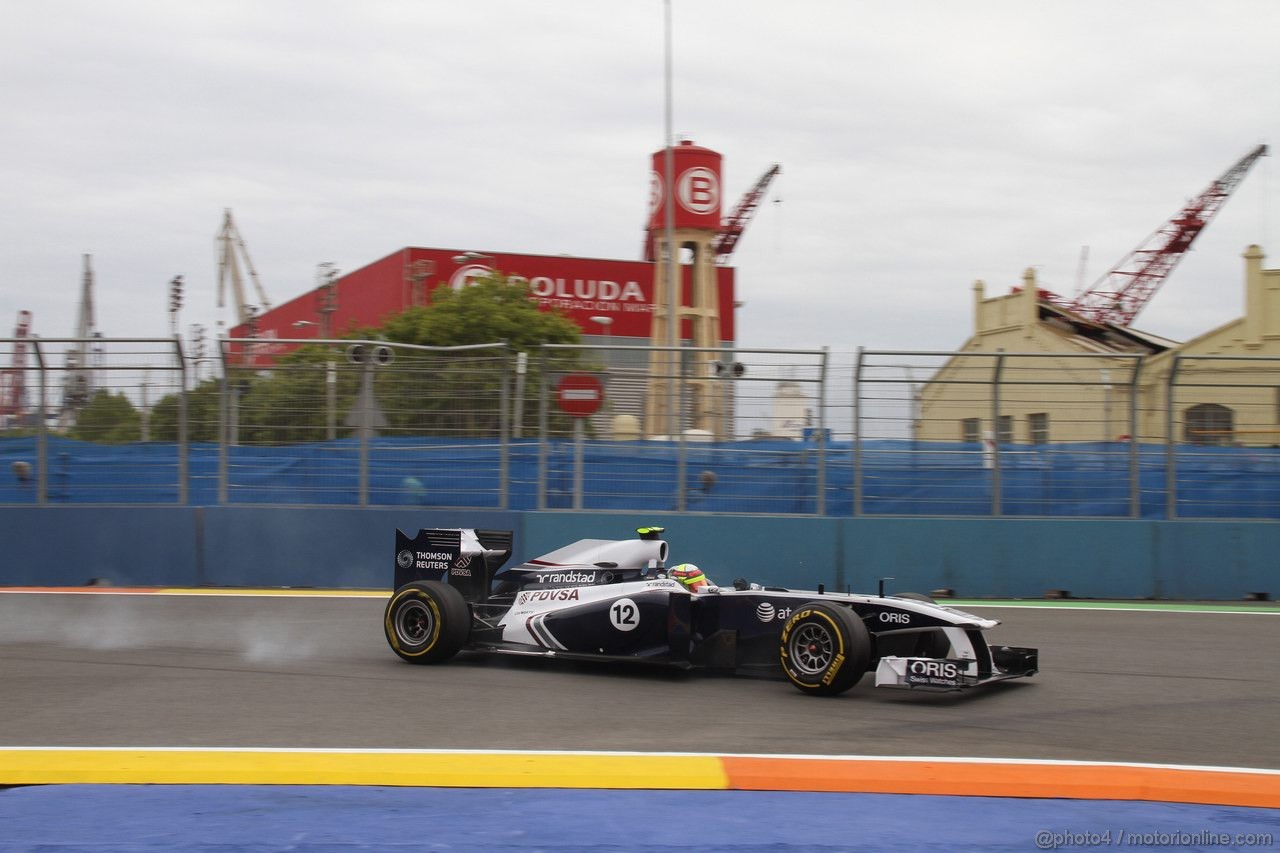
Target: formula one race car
{"x": 615, "y": 600}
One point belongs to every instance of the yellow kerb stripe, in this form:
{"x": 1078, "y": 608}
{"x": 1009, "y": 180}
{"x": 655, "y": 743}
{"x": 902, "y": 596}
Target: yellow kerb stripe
{"x": 467, "y": 770}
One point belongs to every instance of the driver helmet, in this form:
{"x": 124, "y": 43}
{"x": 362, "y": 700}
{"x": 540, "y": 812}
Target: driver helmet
{"x": 691, "y": 576}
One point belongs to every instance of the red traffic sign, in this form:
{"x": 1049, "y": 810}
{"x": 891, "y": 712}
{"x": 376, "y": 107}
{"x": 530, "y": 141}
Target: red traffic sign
{"x": 579, "y": 394}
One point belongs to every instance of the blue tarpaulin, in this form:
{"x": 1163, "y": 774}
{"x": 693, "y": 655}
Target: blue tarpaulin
{"x": 893, "y": 478}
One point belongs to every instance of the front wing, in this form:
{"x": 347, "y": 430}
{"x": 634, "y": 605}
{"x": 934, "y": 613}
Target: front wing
{"x": 941, "y": 674}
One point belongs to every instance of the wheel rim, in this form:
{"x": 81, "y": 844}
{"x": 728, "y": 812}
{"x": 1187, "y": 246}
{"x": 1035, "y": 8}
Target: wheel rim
{"x": 811, "y": 648}
{"x": 414, "y": 623}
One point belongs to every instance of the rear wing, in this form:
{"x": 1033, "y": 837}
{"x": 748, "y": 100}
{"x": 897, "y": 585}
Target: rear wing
{"x": 464, "y": 558}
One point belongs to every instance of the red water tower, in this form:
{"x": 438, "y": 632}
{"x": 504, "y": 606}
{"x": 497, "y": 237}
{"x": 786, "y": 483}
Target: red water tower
{"x": 697, "y": 195}
{"x": 693, "y": 197}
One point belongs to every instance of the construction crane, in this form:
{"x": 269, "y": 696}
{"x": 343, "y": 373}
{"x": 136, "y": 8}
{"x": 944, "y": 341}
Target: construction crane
{"x": 13, "y": 378}
{"x": 1118, "y": 296}
{"x": 77, "y": 387}
{"x": 732, "y": 228}
{"x": 737, "y": 222}
{"x": 230, "y": 251}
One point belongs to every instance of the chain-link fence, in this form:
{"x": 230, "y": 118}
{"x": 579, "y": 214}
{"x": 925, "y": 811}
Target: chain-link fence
{"x": 364, "y": 423}
{"x": 71, "y": 399}
{"x": 693, "y": 429}
{"x": 636, "y": 428}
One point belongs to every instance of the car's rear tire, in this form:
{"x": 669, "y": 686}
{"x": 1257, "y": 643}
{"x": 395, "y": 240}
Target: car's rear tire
{"x": 824, "y": 649}
{"x": 427, "y": 622}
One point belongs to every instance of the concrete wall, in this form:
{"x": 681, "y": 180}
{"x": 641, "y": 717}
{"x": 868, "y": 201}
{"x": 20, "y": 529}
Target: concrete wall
{"x": 345, "y": 547}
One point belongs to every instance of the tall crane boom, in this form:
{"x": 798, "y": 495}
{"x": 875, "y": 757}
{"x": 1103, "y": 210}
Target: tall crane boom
{"x": 737, "y": 222}
{"x": 77, "y": 386}
{"x": 230, "y": 249}
{"x": 1118, "y": 296}
{"x": 13, "y": 379}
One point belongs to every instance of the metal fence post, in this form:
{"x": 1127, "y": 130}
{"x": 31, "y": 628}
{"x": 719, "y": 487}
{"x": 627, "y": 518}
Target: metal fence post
{"x": 42, "y": 430}
{"x": 1171, "y": 455}
{"x": 542, "y": 431}
{"x": 821, "y": 504}
{"x": 997, "y": 501}
{"x": 857, "y": 435}
{"x": 504, "y": 429}
{"x": 183, "y": 469}
{"x": 682, "y": 463}
{"x": 1135, "y": 470}
{"x": 366, "y": 381}
{"x": 224, "y": 424}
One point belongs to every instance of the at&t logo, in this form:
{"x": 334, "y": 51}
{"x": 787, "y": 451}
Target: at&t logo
{"x": 766, "y": 612}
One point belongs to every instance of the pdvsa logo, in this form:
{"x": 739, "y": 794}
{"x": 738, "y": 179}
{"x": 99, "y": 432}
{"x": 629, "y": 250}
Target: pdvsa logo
{"x": 699, "y": 190}
{"x": 404, "y": 559}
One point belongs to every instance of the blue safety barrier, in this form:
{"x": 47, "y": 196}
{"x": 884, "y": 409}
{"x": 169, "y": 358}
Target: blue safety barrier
{"x": 774, "y": 477}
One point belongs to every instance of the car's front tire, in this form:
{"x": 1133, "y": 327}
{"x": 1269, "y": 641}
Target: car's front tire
{"x": 824, "y": 649}
{"x": 426, "y": 622}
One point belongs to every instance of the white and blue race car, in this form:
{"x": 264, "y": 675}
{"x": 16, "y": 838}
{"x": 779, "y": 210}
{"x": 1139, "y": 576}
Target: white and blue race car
{"x": 614, "y": 600}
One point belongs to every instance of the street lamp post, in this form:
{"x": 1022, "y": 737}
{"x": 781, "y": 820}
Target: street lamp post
{"x": 605, "y": 323}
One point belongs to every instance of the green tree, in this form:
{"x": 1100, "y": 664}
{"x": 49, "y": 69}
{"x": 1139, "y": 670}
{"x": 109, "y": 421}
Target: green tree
{"x": 491, "y": 309}
{"x": 290, "y": 404}
{"x": 460, "y": 393}
{"x": 204, "y": 404}
{"x": 108, "y": 419}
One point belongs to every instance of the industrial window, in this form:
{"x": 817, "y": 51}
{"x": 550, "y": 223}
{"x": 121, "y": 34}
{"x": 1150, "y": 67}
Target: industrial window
{"x": 1005, "y": 432}
{"x": 969, "y": 428}
{"x": 1039, "y": 423}
{"x": 1208, "y": 423}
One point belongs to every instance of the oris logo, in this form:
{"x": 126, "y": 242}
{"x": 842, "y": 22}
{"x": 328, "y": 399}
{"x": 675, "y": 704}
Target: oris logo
{"x": 765, "y": 612}
{"x": 699, "y": 190}
{"x": 933, "y": 669}
{"x": 895, "y": 618}
{"x": 404, "y": 559}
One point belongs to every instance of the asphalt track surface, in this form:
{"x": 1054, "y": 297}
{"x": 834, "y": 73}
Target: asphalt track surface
{"x": 241, "y": 671}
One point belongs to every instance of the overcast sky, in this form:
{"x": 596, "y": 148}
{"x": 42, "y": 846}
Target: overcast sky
{"x": 923, "y": 145}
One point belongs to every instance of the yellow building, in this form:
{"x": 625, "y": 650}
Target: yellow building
{"x": 1033, "y": 372}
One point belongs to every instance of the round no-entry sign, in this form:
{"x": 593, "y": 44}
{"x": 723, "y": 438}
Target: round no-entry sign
{"x": 579, "y": 394}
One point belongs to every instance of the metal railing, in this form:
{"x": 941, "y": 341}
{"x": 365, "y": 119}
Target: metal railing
{"x": 802, "y": 432}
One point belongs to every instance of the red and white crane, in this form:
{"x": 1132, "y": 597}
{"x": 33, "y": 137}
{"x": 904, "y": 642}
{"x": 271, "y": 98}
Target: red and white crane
{"x": 737, "y": 222}
{"x": 13, "y": 378}
{"x": 1118, "y": 296}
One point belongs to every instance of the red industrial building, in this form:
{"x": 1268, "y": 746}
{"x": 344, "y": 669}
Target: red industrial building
{"x": 581, "y": 288}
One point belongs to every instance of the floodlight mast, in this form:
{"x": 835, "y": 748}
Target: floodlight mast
{"x": 1118, "y": 297}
